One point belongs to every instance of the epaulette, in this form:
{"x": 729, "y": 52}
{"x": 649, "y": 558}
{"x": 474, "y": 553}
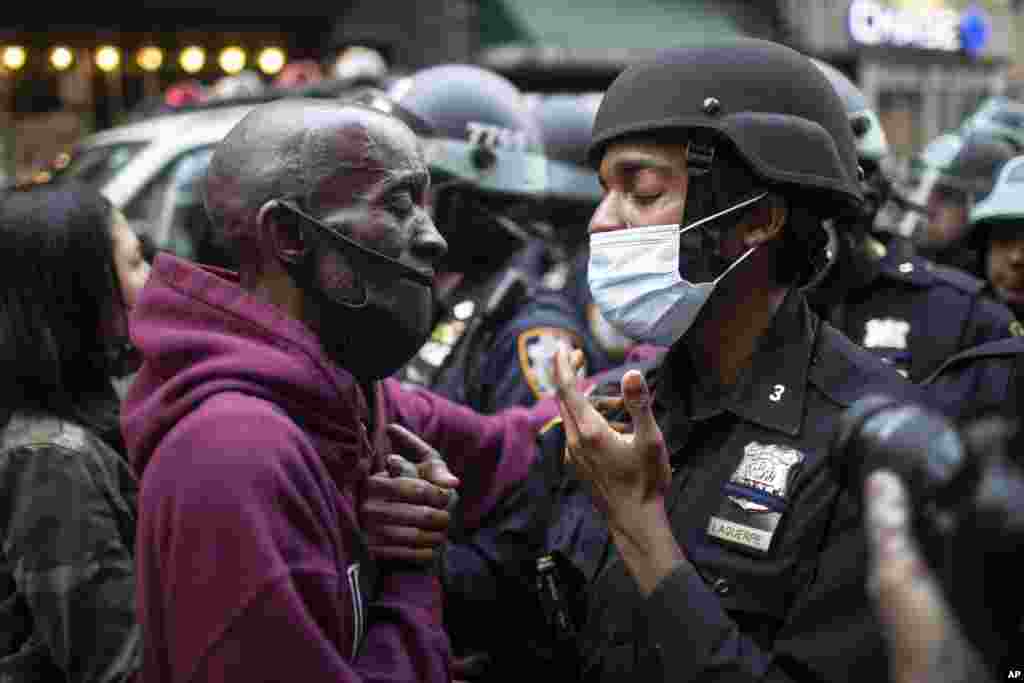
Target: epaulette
{"x": 965, "y": 282}
{"x": 1002, "y": 348}
{"x": 845, "y": 372}
{"x": 919, "y": 271}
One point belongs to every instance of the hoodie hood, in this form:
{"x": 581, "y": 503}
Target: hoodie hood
{"x": 201, "y": 334}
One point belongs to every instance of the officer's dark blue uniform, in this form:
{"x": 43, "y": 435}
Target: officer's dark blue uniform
{"x": 771, "y": 573}
{"x": 916, "y": 314}
{"x": 907, "y": 310}
{"x": 780, "y": 577}
{"x": 494, "y": 342}
{"x": 984, "y": 380}
{"x": 497, "y": 329}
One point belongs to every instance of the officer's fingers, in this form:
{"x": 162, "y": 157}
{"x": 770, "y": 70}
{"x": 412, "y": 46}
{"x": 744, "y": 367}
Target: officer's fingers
{"x": 589, "y": 426}
{"x": 565, "y": 382}
{"x": 605, "y": 404}
{"x": 621, "y": 427}
{"x": 637, "y": 399}
{"x": 420, "y": 556}
{"x": 384, "y": 513}
{"x": 414, "y": 448}
{"x": 576, "y": 360}
{"x": 405, "y": 536}
{"x": 413, "y": 491}
{"x": 572, "y": 432}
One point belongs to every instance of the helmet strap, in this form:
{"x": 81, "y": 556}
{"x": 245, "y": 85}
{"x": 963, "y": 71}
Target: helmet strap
{"x": 700, "y": 157}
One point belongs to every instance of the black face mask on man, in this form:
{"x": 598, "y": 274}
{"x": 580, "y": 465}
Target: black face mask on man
{"x": 361, "y": 328}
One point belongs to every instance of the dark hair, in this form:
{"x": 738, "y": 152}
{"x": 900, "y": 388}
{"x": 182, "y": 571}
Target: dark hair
{"x": 59, "y": 284}
{"x": 803, "y": 238}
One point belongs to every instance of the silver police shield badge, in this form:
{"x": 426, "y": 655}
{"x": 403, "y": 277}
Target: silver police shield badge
{"x": 756, "y": 497}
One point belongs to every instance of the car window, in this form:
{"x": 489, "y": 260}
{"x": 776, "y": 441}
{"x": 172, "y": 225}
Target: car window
{"x": 170, "y": 208}
{"x": 97, "y": 165}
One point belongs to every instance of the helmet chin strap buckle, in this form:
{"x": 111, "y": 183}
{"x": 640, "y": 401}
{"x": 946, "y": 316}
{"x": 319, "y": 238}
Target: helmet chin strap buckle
{"x": 700, "y": 154}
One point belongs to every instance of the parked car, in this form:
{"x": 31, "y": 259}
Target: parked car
{"x": 152, "y": 171}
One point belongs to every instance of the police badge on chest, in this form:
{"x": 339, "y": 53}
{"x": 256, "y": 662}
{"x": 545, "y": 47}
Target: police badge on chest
{"x": 755, "y": 498}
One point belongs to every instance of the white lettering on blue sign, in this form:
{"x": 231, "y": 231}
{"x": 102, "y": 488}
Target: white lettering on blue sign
{"x": 872, "y": 23}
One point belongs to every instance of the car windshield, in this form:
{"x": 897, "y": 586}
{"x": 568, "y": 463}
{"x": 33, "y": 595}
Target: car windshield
{"x": 97, "y": 165}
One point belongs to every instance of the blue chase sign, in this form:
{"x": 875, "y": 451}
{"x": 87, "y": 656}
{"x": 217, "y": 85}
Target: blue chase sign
{"x": 874, "y": 23}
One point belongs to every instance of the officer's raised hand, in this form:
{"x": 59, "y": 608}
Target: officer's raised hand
{"x": 406, "y": 510}
{"x": 628, "y": 474}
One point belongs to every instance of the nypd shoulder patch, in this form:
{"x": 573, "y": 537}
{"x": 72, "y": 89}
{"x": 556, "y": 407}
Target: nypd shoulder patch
{"x": 537, "y": 347}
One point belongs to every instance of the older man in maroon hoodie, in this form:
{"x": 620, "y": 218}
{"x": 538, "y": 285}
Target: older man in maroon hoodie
{"x": 273, "y": 545}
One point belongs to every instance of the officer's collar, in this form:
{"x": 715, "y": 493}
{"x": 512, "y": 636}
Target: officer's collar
{"x": 771, "y": 390}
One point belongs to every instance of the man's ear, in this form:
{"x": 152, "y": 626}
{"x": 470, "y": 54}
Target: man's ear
{"x": 283, "y": 231}
{"x": 766, "y": 221}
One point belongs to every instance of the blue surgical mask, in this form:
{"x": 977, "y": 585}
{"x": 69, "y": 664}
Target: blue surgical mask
{"x": 635, "y": 277}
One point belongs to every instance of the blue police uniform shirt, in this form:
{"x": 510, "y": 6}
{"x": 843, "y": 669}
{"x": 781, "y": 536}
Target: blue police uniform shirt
{"x": 516, "y": 369}
{"x": 916, "y": 314}
{"x": 494, "y": 363}
{"x": 985, "y": 380}
{"x": 766, "y": 514}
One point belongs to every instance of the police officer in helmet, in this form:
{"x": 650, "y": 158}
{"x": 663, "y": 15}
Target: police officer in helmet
{"x": 488, "y": 180}
{"x": 694, "y": 526}
{"x": 953, "y": 174}
{"x": 912, "y": 313}
{"x": 990, "y": 377}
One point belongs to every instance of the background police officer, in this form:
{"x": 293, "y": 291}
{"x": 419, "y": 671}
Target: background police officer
{"x": 497, "y": 325}
{"x": 996, "y": 234}
{"x": 990, "y": 378}
{"x": 909, "y": 311}
{"x": 953, "y": 174}
{"x": 717, "y": 539}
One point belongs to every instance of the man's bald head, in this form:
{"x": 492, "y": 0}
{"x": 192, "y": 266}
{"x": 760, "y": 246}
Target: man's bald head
{"x": 288, "y": 149}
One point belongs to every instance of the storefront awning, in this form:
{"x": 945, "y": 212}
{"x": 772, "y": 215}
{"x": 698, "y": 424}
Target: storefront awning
{"x": 601, "y": 24}
{"x": 593, "y": 39}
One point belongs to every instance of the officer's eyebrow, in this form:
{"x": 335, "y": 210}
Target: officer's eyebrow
{"x": 630, "y": 162}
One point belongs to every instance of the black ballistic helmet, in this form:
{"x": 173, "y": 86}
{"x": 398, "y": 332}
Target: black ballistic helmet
{"x": 872, "y": 145}
{"x": 872, "y": 150}
{"x": 773, "y": 106}
{"x": 475, "y": 127}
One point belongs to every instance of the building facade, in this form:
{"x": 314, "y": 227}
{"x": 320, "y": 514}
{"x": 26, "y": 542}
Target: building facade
{"x": 924, "y": 65}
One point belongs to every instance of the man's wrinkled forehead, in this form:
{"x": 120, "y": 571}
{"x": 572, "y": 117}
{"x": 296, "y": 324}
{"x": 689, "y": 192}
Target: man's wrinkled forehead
{"x": 364, "y": 153}
{"x": 367, "y": 141}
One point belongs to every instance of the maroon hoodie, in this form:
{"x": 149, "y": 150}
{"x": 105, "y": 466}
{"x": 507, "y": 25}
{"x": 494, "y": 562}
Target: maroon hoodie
{"x": 252, "y": 449}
